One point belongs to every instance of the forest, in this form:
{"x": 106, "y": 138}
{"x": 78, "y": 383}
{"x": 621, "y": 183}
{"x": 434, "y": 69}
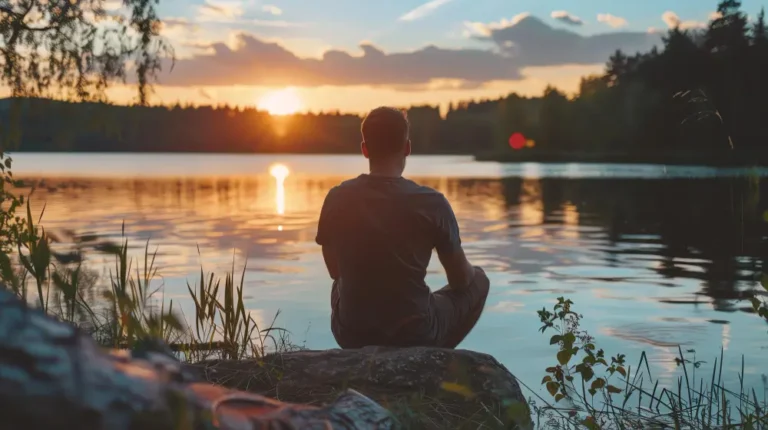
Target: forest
{"x": 699, "y": 96}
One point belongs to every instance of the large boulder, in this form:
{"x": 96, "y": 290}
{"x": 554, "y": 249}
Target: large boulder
{"x": 424, "y": 387}
{"x": 53, "y": 376}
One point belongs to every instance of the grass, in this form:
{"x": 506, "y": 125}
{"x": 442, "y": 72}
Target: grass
{"x": 123, "y": 309}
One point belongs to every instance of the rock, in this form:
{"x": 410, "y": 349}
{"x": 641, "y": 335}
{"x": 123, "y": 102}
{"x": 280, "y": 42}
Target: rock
{"x": 424, "y": 387}
{"x": 54, "y": 376}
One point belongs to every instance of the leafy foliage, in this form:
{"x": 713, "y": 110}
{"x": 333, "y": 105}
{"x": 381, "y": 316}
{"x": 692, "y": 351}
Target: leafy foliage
{"x": 599, "y": 395}
{"x": 75, "y": 49}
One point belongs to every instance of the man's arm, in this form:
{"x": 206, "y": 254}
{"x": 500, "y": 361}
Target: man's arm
{"x": 448, "y": 244}
{"x": 458, "y": 268}
{"x": 330, "y": 262}
{"x": 324, "y": 236}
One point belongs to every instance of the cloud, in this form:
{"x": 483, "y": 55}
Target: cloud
{"x": 219, "y": 10}
{"x": 232, "y": 12}
{"x": 486, "y": 29}
{"x": 672, "y": 20}
{"x": 515, "y": 45}
{"x": 183, "y": 33}
{"x": 534, "y": 43}
{"x": 611, "y": 20}
{"x": 715, "y": 15}
{"x": 272, "y": 9}
{"x": 255, "y": 62}
{"x": 177, "y": 23}
{"x": 423, "y": 10}
{"x": 567, "y": 18}
{"x": 519, "y": 17}
{"x": 275, "y": 23}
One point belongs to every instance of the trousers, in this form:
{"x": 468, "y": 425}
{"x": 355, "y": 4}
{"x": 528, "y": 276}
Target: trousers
{"x": 452, "y": 315}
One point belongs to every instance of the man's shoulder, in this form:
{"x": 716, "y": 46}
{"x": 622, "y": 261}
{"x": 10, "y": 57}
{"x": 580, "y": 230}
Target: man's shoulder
{"x": 345, "y": 187}
{"x": 425, "y": 191}
{"x": 417, "y": 188}
{"x": 350, "y": 183}
{"x": 406, "y": 187}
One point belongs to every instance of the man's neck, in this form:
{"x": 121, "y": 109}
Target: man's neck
{"x": 386, "y": 170}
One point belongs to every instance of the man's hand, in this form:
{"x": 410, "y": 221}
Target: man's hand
{"x": 459, "y": 270}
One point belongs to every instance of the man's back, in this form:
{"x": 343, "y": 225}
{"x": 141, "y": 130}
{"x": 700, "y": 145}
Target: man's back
{"x": 382, "y": 231}
{"x": 378, "y": 232}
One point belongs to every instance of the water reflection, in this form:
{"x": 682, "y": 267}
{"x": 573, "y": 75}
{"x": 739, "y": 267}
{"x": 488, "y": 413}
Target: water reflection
{"x": 663, "y": 232}
{"x": 279, "y": 172}
{"x": 651, "y": 262}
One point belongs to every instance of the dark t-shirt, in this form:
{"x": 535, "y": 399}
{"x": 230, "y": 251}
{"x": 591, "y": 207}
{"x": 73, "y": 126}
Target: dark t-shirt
{"x": 382, "y": 232}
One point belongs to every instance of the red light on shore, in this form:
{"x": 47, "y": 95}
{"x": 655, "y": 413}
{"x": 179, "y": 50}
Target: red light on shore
{"x": 517, "y": 141}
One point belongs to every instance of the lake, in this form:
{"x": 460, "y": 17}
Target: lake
{"x": 653, "y": 256}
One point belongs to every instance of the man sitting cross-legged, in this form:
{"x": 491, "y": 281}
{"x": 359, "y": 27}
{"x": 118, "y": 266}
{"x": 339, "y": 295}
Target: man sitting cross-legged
{"x": 377, "y": 233}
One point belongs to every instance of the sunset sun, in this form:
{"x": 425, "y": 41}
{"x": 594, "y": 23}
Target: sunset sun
{"x": 281, "y": 102}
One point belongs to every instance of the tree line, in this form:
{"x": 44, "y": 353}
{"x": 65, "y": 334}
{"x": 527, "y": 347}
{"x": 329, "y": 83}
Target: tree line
{"x": 703, "y": 91}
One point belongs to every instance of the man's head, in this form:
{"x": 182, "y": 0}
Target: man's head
{"x": 385, "y": 135}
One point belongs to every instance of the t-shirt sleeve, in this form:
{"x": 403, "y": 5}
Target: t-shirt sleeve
{"x": 325, "y": 223}
{"x": 448, "y": 238}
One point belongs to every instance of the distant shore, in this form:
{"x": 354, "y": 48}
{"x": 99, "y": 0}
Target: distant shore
{"x": 730, "y": 158}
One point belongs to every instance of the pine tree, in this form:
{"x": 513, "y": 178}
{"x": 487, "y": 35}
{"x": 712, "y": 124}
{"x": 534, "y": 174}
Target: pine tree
{"x": 616, "y": 68}
{"x": 759, "y": 35}
{"x": 729, "y": 31}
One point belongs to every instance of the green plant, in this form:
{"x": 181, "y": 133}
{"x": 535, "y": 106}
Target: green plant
{"x": 561, "y": 380}
{"x": 69, "y": 283}
{"x": 33, "y": 246}
{"x": 604, "y": 395}
{"x": 133, "y": 313}
{"x": 224, "y": 324}
{"x": 10, "y": 223}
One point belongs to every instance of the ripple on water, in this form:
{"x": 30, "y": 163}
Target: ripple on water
{"x": 597, "y": 273}
{"x": 657, "y": 334}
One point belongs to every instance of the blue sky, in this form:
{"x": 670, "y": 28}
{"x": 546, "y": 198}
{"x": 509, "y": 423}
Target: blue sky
{"x": 264, "y": 45}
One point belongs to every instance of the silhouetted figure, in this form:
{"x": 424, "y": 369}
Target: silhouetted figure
{"x": 378, "y": 232}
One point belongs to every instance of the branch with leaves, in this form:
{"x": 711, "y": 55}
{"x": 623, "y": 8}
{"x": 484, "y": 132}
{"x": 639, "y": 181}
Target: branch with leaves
{"x": 74, "y": 49}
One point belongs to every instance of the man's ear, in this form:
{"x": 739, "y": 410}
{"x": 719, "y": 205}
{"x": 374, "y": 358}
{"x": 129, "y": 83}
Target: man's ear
{"x": 364, "y": 149}
{"x": 408, "y": 147}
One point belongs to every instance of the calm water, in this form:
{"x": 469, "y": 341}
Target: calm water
{"x": 654, "y": 256}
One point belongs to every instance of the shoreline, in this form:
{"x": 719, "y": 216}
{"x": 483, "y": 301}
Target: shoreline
{"x": 730, "y": 158}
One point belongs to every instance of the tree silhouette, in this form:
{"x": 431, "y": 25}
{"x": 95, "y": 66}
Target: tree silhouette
{"x": 698, "y": 97}
{"x": 726, "y": 32}
{"x": 759, "y": 35}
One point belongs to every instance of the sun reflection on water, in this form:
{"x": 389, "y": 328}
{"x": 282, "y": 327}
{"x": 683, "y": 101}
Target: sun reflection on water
{"x": 279, "y": 172}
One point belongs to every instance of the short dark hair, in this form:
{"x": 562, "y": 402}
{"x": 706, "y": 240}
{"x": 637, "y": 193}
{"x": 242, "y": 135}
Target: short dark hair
{"x": 385, "y": 131}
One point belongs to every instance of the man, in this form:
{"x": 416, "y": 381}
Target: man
{"x": 377, "y": 232}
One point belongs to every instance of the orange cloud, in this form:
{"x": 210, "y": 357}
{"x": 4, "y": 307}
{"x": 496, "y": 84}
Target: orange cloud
{"x": 612, "y": 20}
{"x": 673, "y": 21}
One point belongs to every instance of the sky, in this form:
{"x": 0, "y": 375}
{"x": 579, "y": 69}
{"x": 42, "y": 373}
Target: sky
{"x": 353, "y": 55}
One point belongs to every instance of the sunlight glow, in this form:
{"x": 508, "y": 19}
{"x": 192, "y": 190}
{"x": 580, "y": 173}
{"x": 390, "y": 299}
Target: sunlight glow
{"x": 281, "y": 102}
{"x": 279, "y": 172}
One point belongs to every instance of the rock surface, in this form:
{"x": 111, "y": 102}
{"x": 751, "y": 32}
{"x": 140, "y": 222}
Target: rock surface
{"x": 53, "y": 376}
{"x": 424, "y": 387}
